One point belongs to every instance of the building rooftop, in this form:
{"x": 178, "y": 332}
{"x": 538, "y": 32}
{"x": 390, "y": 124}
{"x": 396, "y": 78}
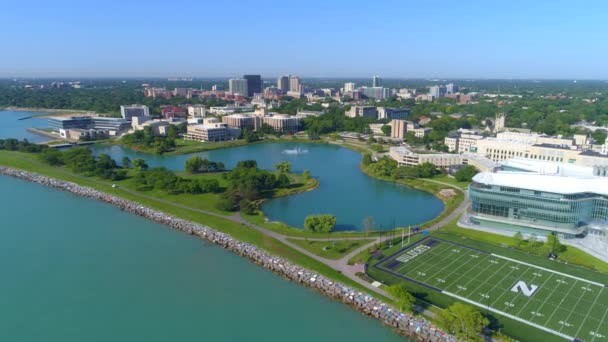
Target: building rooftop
{"x": 545, "y": 183}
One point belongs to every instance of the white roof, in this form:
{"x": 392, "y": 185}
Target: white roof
{"x": 549, "y": 168}
{"x": 547, "y": 183}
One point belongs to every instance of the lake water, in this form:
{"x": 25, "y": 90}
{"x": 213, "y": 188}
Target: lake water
{"x": 344, "y": 190}
{"x": 75, "y": 269}
{"x": 12, "y": 127}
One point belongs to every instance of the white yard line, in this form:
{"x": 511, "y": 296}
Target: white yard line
{"x": 551, "y": 295}
{"x": 601, "y": 323}
{"x": 405, "y": 264}
{"x": 450, "y": 264}
{"x": 571, "y": 311}
{"x": 538, "y": 326}
{"x": 507, "y": 291}
{"x": 548, "y": 270}
{"x": 532, "y": 297}
{"x": 588, "y": 311}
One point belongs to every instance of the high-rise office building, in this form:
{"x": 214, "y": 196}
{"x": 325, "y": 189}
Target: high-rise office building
{"x": 350, "y": 86}
{"x": 238, "y": 86}
{"x": 437, "y": 91}
{"x": 376, "y": 81}
{"x": 283, "y": 83}
{"x": 254, "y": 84}
{"x": 451, "y": 88}
{"x": 294, "y": 84}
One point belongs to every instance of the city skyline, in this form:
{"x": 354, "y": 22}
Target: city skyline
{"x": 393, "y": 39}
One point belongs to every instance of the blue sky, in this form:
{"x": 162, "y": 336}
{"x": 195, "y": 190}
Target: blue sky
{"x": 401, "y": 38}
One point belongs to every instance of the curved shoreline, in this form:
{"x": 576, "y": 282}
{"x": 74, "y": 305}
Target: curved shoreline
{"x": 403, "y": 323}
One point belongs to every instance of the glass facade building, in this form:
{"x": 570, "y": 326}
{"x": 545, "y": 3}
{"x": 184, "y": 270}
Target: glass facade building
{"x": 568, "y": 214}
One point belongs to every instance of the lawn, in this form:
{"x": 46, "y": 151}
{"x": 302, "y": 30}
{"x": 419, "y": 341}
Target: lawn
{"x": 29, "y": 162}
{"x": 330, "y": 249}
{"x": 558, "y": 303}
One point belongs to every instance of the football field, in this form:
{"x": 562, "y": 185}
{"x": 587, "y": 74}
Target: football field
{"x": 561, "y": 304}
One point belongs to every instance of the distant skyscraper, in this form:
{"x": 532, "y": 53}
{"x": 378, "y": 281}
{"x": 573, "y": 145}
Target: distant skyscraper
{"x": 254, "y": 84}
{"x": 437, "y": 91}
{"x": 375, "y": 92}
{"x": 376, "y": 81}
{"x": 350, "y": 86}
{"x": 294, "y": 83}
{"x": 238, "y": 86}
{"x": 451, "y": 88}
{"x": 283, "y": 83}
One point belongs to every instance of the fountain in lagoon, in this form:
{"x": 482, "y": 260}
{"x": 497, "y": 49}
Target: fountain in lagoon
{"x": 295, "y": 151}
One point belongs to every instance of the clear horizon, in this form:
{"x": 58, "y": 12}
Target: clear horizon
{"x": 474, "y": 39}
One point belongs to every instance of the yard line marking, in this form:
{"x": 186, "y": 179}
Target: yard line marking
{"x": 549, "y": 270}
{"x": 464, "y": 273}
{"x": 505, "y": 292}
{"x": 588, "y": 311}
{"x": 573, "y": 307}
{"x": 538, "y": 326}
{"x": 447, "y": 266}
{"x": 483, "y": 282}
{"x": 498, "y": 283}
{"x": 406, "y": 264}
{"x": 599, "y": 326}
{"x": 530, "y": 298}
{"x": 474, "y": 278}
{"x": 551, "y": 295}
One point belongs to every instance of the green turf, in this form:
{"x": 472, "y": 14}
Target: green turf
{"x": 562, "y": 305}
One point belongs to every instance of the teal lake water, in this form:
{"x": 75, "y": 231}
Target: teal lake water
{"x": 12, "y": 127}
{"x": 75, "y": 269}
{"x": 344, "y": 190}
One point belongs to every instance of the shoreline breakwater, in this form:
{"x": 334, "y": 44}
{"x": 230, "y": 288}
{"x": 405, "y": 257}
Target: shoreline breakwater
{"x": 404, "y": 323}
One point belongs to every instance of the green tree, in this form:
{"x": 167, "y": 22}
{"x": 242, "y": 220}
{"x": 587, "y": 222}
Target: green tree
{"x": 248, "y": 207}
{"x": 367, "y": 159}
{"x": 306, "y": 174}
{"x": 401, "y": 296}
{"x": 320, "y": 223}
{"x": 464, "y": 321}
{"x": 194, "y": 164}
{"x": 283, "y": 167}
{"x": 554, "y": 244}
{"x": 518, "y": 239}
{"x": 140, "y": 164}
{"x": 126, "y": 162}
{"x": 386, "y": 129}
{"x": 466, "y": 173}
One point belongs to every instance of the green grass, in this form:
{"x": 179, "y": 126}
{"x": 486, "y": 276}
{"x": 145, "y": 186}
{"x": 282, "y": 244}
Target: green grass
{"x": 330, "y": 249}
{"x": 452, "y": 181}
{"x": 29, "y": 162}
{"x": 563, "y": 304}
{"x": 572, "y": 255}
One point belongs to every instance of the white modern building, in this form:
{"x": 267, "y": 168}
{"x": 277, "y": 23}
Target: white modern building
{"x": 128, "y": 112}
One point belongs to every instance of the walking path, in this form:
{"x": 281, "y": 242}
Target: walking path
{"x": 340, "y": 265}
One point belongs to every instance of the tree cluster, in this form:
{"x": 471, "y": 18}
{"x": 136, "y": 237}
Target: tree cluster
{"x": 81, "y": 160}
{"x": 166, "y": 180}
{"x": 196, "y": 164}
{"x": 320, "y": 223}
{"x": 248, "y": 182}
{"x": 466, "y": 173}
{"x": 387, "y": 167}
{"x": 21, "y": 146}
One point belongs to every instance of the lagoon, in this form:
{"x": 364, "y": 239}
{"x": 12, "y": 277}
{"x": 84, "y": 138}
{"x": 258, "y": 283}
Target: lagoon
{"x": 344, "y": 190}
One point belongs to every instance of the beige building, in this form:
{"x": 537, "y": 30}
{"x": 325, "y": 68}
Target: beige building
{"x": 241, "y": 121}
{"x": 197, "y": 111}
{"x": 406, "y": 157}
{"x": 421, "y": 132}
{"x": 398, "y": 129}
{"x": 282, "y": 123}
{"x": 365, "y": 111}
{"x": 211, "y": 130}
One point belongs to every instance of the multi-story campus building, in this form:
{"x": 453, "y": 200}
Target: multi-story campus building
{"x": 211, "y": 130}
{"x": 112, "y": 125}
{"x": 365, "y": 111}
{"x": 128, "y": 112}
{"x": 542, "y": 198}
{"x": 393, "y": 113}
{"x": 238, "y": 86}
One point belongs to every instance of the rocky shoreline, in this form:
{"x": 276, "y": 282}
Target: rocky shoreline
{"x": 404, "y": 323}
